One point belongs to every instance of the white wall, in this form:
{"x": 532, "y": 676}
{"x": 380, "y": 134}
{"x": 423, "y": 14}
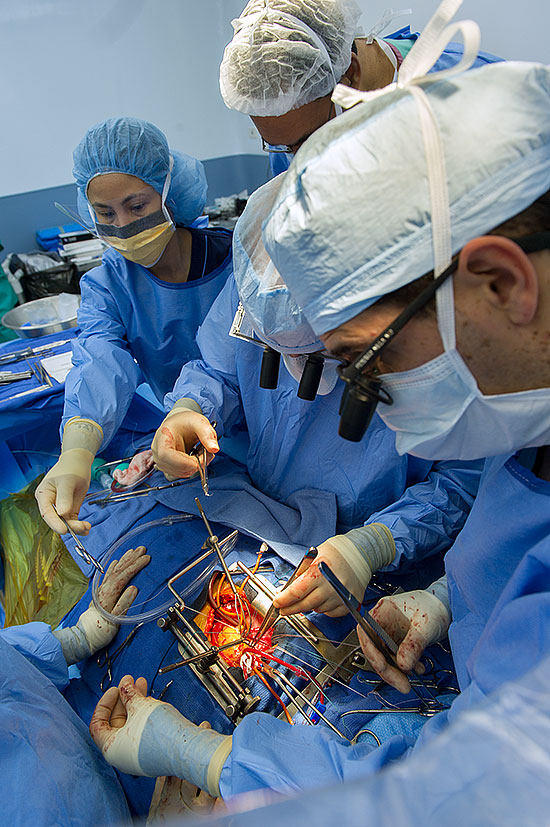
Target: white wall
{"x": 511, "y": 29}
{"x": 65, "y": 64}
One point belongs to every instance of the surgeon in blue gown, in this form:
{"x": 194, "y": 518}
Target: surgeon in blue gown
{"x": 52, "y": 772}
{"x": 141, "y": 308}
{"x": 285, "y": 59}
{"x": 408, "y": 509}
{"x": 468, "y": 377}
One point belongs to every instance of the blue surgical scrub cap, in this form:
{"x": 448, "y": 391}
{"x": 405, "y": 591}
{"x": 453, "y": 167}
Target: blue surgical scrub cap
{"x": 139, "y": 148}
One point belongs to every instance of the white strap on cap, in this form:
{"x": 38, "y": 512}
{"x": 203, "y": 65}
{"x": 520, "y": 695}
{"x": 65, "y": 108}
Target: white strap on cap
{"x": 387, "y": 17}
{"x": 438, "y": 32}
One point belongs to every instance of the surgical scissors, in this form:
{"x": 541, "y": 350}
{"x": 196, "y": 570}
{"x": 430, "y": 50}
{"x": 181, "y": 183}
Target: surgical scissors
{"x": 272, "y": 615}
{"x": 80, "y": 550}
{"x": 199, "y": 451}
{"x": 107, "y": 659}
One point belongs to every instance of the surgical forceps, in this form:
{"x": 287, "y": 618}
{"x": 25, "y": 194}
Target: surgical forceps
{"x": 272, "y": 615}
{"x": 107, "y": 659}
{"x": 199, "y": 451}
{"x": 7, "y": 377}
{"x": 43, "y": 350}
{"x": 80, "y": 550}
{"x": 368, "y": 624}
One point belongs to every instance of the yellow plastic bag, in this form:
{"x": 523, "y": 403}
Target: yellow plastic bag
{"x": 41, "y": 579}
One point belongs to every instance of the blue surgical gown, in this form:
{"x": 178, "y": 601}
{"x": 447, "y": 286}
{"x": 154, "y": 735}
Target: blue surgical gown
{"x": 498, "y": 574}
{"x": 136, "y": 328}
{"x": 51, "y": 770}
{"x": 294, "y": 445}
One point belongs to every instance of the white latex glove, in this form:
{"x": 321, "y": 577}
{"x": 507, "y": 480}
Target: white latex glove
{"x": 92, "y": 631}
{"x": 181, "y": 429}
{"x": 156, "y": 739}
{"x": 413, "y": 619}
{"x": 352, "y": 565}
{"x": 65, "y": 485}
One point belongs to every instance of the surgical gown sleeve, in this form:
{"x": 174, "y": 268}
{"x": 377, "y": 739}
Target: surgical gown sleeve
{"x": 105, "y": 375}
{"x": 490, "y": 767}
{"x": 427, "y": 518}
{"x": 52, "y": 772}
{"x": 212, "y": 381}
{"x": 40, "y": 647}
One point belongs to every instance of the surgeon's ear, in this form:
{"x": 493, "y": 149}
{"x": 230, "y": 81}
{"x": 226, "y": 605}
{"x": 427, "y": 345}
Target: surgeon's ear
{"x": 503, "y": 274}
{"x": 352, "y": 75}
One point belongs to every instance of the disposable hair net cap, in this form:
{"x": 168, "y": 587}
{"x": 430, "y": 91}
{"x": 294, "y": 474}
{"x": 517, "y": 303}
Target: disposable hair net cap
{"x": 139, "y": 148}
{"x": 286, "y": 53}
{"x": 352, "y": 221}
{"x": 272, "y": 312}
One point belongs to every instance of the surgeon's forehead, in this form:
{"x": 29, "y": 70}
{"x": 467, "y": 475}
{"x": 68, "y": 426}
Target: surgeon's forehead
{"x": 348, "y": 339}
{"x": 293, "y": 126}
{"x": 116, "y": 186}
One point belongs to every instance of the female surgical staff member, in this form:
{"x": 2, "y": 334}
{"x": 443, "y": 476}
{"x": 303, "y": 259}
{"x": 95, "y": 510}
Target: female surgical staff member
{"x": 141, "y": 308}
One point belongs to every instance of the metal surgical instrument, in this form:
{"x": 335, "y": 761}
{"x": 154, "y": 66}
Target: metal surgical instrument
{"x": 273, "y": 614}
{"x": 81, "y": 551}
{"x": 199, "y": 451}
{"x": 43, "y": 350}
{"x": 108, "y": 659}
{"x": 371, "y": 628}
{"x": 138, "y": 492}
{"x": 7, "y": 377}
{"x": 212, "y": 542}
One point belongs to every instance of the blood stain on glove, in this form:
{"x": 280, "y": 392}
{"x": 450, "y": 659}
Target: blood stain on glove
{"x": 140, "y": 466}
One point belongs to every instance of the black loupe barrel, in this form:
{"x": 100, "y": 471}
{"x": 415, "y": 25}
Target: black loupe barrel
{"x": 357, "y": 412}
{"x": 269, "y": 371}
{"x": 311, "y": 377}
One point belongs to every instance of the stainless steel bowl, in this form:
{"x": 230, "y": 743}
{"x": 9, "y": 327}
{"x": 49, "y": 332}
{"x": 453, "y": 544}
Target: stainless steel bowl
{"x": 39, "y": 318}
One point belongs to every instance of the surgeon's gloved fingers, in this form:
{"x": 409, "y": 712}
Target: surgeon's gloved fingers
{"x": 130, "y": 693}
{"x": 100, "y": 724}
{"x": 389, "y": 615}
{"x": 141, "y": 686}
{"x": 331, "y": 610}
{"x": 411, "y": 648}
{"x": 389, "y": 673}
{"x": 125, "y": 601}
{"x": 176, "y": 465}
{"x": 309, "y": 603}
{"x": 118, "y": 576}
{"x": 45, "y": 498}
{"x": 70, "y": 494}
{"x": 205, "y": 433}
{"x": 128, "y": 557}
{"x": 118, "y": 715}
{"x": 291, "y": 600}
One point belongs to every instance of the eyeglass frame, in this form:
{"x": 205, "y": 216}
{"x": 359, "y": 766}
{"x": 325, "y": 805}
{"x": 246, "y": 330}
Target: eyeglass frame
{"x": 354, "y": 372}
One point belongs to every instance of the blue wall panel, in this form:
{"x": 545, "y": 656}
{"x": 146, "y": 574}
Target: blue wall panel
{"x": 21, "y": 215}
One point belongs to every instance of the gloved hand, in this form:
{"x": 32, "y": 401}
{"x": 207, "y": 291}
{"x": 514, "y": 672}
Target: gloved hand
{"x": 414, "y": 620}
{"x": 180, "y": 430}
{"x": 157, "y": 740}
{"x": 65, "y": 485}
{"x": 353, "y": 557}
{"x": 92, "y": 631}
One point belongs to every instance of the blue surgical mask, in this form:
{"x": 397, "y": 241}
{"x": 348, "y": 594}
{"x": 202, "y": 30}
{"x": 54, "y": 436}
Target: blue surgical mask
{"x": 439, "y": 412}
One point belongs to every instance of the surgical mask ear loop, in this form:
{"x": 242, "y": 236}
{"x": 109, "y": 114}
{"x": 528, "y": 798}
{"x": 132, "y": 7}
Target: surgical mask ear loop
{"x": 166, "y": 188}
